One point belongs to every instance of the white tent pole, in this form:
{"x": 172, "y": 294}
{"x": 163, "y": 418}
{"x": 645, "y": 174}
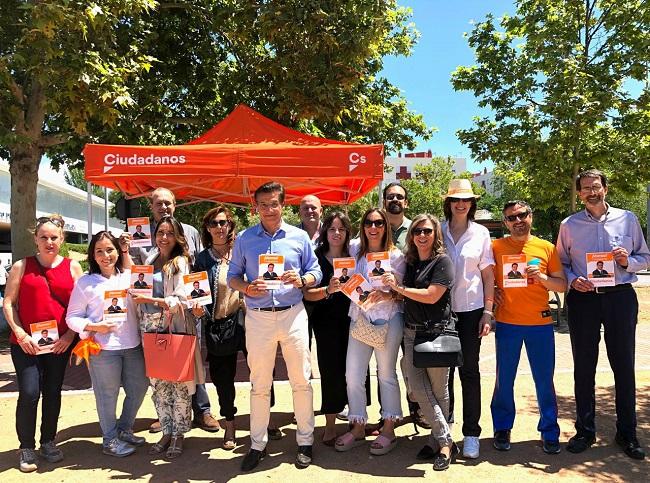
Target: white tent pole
{"x": 105, "y": 208}
{"x": 89, "y": 189}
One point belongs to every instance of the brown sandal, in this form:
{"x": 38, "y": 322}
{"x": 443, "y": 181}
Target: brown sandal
{"x": 175, "y": 447}
{"x": 160, "y": 446}
{"x": 229, "y": 441}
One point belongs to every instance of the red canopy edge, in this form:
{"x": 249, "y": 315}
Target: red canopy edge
{"x": 242, "y": 152}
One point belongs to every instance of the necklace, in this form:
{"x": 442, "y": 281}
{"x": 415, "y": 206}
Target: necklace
{"x": 218, "y": 254}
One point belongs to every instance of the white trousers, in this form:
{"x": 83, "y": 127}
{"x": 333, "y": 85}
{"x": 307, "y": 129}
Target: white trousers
{"x": 264, "y": 330}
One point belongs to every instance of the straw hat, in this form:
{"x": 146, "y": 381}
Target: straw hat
{"x": 460, "y": 188}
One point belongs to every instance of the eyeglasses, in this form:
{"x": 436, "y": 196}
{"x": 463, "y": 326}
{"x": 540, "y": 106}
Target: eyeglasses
{"x": 594, "y": 188}
{"x": 333, "y": 230}
{"x": 458, "y": 200}
{"x": 216, "y": 223}
{"x": 48, "y": 219}
{"x": 395, "y": 196}
{"x": 163, "y": 233}
{"x": 517, "y": 216}
{"x": 422, "y": 231}
{"x": 375, "y": 223}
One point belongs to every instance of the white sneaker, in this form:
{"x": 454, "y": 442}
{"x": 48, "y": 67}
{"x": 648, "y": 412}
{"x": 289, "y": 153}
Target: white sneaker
{"x": 471, "y": 447}
{"x": 343, "y": 415}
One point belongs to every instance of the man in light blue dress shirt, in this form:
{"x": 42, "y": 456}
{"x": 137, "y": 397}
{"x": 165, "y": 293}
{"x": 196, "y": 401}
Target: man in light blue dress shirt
{"x": 276, "y": 316}
{"x": 601, "y": 228}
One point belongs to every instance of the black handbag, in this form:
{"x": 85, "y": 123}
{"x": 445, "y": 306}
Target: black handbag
{"x": 438, "y": 346}
{"x": 224, "y": 337}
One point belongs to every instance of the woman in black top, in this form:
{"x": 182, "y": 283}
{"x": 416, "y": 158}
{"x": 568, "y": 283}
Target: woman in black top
{"x": 330, "y": 320}
{"x": 426, "y": 290}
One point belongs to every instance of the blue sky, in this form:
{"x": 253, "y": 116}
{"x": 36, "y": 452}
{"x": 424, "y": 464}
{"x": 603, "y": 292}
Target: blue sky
{"x": 424, "y": 76}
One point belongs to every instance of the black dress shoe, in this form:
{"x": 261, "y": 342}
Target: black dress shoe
{"x": 304, "y": 456}
{"x": 632, "y": 448}
{"x": 502, "y": 440}
{"x": 551, "y": 447}
{"x": 252, "y": 459}
{"x": 580, "y": 442}
{"x": 442, "y": 462}
{"x": 426, "y": 453}
{"x": 274, "y": 434}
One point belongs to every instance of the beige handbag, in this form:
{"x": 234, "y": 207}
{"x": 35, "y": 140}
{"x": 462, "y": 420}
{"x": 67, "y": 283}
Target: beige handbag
{"x": 372, "y": 335}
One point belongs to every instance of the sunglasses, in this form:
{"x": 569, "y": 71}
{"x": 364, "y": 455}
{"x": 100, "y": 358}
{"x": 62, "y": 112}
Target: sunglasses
{"x": 422, "y": 231}
{"x": 46, "y": 219}
{"x": 458, "y": 200}
{"x": 395, "y": 196}
{"x": 375, "y": 223}
{"x": 518, "y": 216}
{"x": 216, "y": 223}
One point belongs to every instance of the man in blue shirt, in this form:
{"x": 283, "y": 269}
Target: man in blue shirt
{"x": 602, "y": 228}
{"x": 276, "y": 316}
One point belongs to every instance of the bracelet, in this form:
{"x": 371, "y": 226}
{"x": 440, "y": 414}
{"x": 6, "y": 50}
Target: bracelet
{"x": 489, "y": 312}
{"x": 327, "y": 292}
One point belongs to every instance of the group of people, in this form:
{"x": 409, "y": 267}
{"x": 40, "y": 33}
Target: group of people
{"x": 448, "y": 273}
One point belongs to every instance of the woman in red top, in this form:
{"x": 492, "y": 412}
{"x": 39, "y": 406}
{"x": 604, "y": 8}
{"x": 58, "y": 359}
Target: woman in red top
{"x": 38, "y": 290}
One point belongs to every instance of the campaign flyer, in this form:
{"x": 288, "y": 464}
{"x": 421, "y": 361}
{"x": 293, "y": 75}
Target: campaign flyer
{"x": 514, "y": 271}
{"x": 44, "y": 334}
{"x": 115, "y": 305}
{"x": 197, "y": 287}
{"x": 142, "y": 280}
{"x": 344, "y": 268}
{"x": 357, "y": 289}
{"x": 140, "y": 231}
{"x": 378, "y": 265}
{"x": 271, "y": 268}
{"x": 600, "y": 269}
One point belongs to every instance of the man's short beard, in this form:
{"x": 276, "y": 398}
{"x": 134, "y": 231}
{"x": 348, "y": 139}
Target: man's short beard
{"x": 395, "y": 208}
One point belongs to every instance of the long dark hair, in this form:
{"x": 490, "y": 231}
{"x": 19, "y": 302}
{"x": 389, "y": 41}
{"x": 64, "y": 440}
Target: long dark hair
{"x": 206, "y": 238}
{"x": 180, "y": 247}
{"x": 438, "y": 245}
{"x": 386, "y": 241}
{"x": 93, "y": 266}
{"x": 324, "y": 244}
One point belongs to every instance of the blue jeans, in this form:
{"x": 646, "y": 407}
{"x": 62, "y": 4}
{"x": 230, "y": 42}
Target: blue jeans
{"x": 356, "y": 364}
{"x": 109, "y": 370}
{"x": 36, "y": 376}
{"x": 540, "y": 347}
{"x": 200, "y": 399}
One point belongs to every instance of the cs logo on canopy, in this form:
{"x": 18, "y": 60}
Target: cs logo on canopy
{"x": 355, "y": 160}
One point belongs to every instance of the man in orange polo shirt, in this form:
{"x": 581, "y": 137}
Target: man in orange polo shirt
{"x": 523, "y": 316}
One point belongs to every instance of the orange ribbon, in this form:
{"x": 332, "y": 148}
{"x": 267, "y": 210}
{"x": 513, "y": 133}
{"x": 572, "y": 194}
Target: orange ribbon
{"x": 86, "y": 348}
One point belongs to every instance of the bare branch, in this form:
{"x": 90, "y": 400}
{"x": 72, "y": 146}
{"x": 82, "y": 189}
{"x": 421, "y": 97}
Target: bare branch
{"x": 49, "y": 140}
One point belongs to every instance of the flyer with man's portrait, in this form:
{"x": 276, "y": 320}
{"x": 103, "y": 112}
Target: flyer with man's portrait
{"x": 140, "y": 231}
{"x": 344, "y": 268}
{"x": 378, "y": 265}
{"x": 514, "y": 271}
{"x": 271, "y": 268}
{"x": 197, "y": 288}
{"x": 600, "y": 269}
{"x": 357, "y": 289}
{"x": 44, "y": 335}
{"x": 142, "y": 280}
{"x": 115, "y": 305}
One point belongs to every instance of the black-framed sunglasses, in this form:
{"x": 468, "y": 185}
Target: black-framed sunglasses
{"x": 375, "y": 223}
{"x": 216, "y": 223}
{"x": 47, "y": 219}
{"x": 517, "y": 216}
{"x": 422, "y": 231}
{"x": 395, "y": 196}
{"x": 458, "y": 200}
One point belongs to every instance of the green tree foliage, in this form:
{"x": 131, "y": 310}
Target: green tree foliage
{"x": 565, "y": 87}
{"x": 145, "y": 72}
{"x": 75, "y": 177}
{"x": 428, "y": 186}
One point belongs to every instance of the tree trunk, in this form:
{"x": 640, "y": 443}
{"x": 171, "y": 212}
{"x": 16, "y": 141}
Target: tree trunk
{"x": 574, "y": 193}
{"x": 23, "y": 168}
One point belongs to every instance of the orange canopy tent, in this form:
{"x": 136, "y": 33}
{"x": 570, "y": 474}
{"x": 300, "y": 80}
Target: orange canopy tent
{"x": 236, "y": 156}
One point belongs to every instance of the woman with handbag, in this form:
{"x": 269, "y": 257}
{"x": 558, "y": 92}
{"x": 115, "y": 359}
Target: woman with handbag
{"x": 469, "y": 246}
{"x": 376, "y": 329}
{"x": 426, "y": 291}
{"x": 38, "y": 289}
{"x": 330, "y": 320}
{"x": 223, "y": 333}
{"x": 166, "y": 309}
{"x": 120, "y": 361}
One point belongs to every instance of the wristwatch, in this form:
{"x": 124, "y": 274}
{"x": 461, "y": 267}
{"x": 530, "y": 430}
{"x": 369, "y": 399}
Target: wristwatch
{"x": 303, "y": 280}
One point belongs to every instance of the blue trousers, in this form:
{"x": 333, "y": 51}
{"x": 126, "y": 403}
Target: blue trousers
{"x": 540, "y": 347}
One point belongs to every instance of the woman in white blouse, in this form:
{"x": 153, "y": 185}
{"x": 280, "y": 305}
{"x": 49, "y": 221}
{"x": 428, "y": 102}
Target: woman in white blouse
{"x": 120, "y": 361}
{"x": 469, "y": 246}
{"x": 384, "y": 308}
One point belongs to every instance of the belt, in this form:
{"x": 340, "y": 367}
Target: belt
{"x": 614, "y": 288}
{"x": 273, "y": 309}
{"x": 415, "y": 326}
